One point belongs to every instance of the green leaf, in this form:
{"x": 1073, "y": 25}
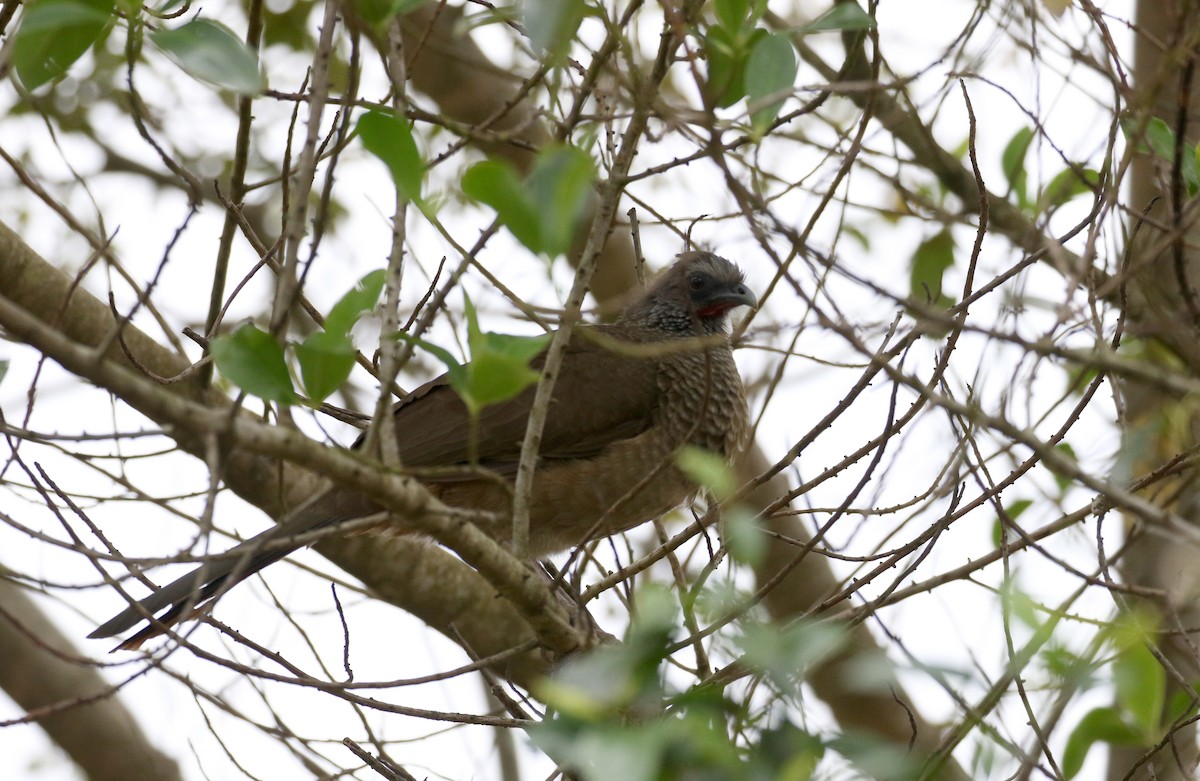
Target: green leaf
{"x": 1019, "y": 604}
{"x": 770, "y": 71}
{"x": 708, "y": 469}
{"x": 551, "y": 24}
{"x": 358, "y": 301}
{"x": 843, "y": 16}
{"x": 210, "y": 52}
{"x": 54, "y": 34}
{"x": 1101, "y": 724}
{"x": 499, "y": 367}
{"x": 378, "y": 12}
{"x": 3, "y": 368}
{"x": 544, "y": 212}
{"x": 326, "y": 360}
{"x": 1159, "y": 140}
{"x": 495, "y": 183}
{"x": 559, "y": 187}
{"x": 929, "y": 264}
{"x": 726, "y": 61}
{"x": 390, "y": 138}
{"x": 1068, "y": 184}
{"x": 1141, "y": 686}
{"x": 784, "y": 654}
{"x": 731, "y": 14}
{"x": 1064, "y": 482}
{"x": 743, "y": 536}
{"x": 252, "y": 360}
{"x": 1013, "y": 511}
{"x": 1012, "y": 161}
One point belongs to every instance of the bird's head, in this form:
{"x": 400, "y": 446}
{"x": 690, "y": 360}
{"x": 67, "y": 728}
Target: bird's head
{"x": 693, "y": 296}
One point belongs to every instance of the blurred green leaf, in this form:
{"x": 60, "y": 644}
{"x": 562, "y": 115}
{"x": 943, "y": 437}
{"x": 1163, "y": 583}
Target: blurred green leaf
{"x": 1068, "y": 184}
{"x": 1159, "y": 139}
{"x": 770, "y": 72}
{"x": 731, "y": 14}
{"x": 495, "y": 182}
{"x": 251, "y": 359}
{"x": 1019, "y": 604}
{"x": 54, "y": 34}
{"x": 784, "y": 654}
{"x": 326, "y": 360}
{"x": 708, "y": 469}
{"x": 1013, "y": 511}
{"x": 876, "y": 757}
{"x": 559, "y": 187}
{"x": 359, "y": 300}
{"x": 3, "y": 368}
{"x": 544, "y": 211}
{"x": 390, "y": 138}
{"x": 1064, "y": 482}
{"x": 1013, "y": 163}
{"x": 743, "y": 536}
{"x": 929, "y": 264}
{"x": 210, "y": 52}
{"x": 551, "y": 24}
{"x": 378, "y": 12}
{"x": 725, "y": 64}
{"x": 843, "y": 16}
{"x": 1100, "y": 724}
{"x": 1141, "y": 685}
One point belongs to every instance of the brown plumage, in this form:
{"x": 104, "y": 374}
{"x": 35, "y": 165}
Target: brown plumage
{"x": 628, "y": 396}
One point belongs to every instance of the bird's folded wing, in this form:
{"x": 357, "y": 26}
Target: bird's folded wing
{"x": 601, "y": 396}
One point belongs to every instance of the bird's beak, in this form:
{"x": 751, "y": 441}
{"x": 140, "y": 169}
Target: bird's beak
{"x": 724, "y": 300}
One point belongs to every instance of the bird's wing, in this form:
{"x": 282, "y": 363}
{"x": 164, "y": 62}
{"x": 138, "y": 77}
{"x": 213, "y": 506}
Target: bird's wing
{"x": 601, "y": 396}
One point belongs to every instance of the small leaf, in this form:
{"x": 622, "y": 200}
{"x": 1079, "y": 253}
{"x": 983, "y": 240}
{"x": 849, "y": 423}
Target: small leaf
{"x": 551, "y": 24}
{"x": 495, "y": 183}
{"x": 929, "y": 264}
{"x": 1141, "y": 689}
{"x": 1069, "y": 184}
{"x": 326, "y": 360}
{"x": 1012, "y": 162}
{"x": 54, "y": 34}
{"x": 726, "y": 61}
{"x": 1159, "y": 140}
{"x": 843, "y": 16}
{"x": 731, "y": 14}
{"x": 252, "y": 360}
{"x": 1101, "y": 724}
{"x": 210, "y": 52}
{"x": 499, "y": 367}
{"x": 708, "y": 469}
{"x": 390, "y": 139}
{"x": 358, "y": 301}
{"x": 770, "y": 72}
{"x": 1061, "y": 480}
{"x": 1017, "y": 603}
{"x": 743, "y": 537}
{"x": 378, "y": 12}
{"x": 544, "y": 212}
{"x": 785, "y": 654}
{"x": 3, "y": 368}
{"x": 1013, "y": 511}
{"x": 558, "y": 189}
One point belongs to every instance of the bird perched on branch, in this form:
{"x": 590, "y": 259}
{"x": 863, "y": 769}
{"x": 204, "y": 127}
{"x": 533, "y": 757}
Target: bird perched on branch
{"x": 628, "y": 396}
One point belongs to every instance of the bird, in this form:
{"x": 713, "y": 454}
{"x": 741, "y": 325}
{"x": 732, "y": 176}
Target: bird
{"x": 629, "y": 396}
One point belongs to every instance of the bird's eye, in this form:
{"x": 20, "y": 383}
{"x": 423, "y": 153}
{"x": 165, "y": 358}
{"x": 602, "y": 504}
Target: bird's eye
{"x": 696, "y": 282}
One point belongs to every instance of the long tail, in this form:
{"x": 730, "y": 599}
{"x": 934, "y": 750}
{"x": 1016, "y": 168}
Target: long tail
{"x": 193, "y": 593}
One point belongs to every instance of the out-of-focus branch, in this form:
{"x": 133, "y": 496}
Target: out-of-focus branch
{"x": 64, "y": 694}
